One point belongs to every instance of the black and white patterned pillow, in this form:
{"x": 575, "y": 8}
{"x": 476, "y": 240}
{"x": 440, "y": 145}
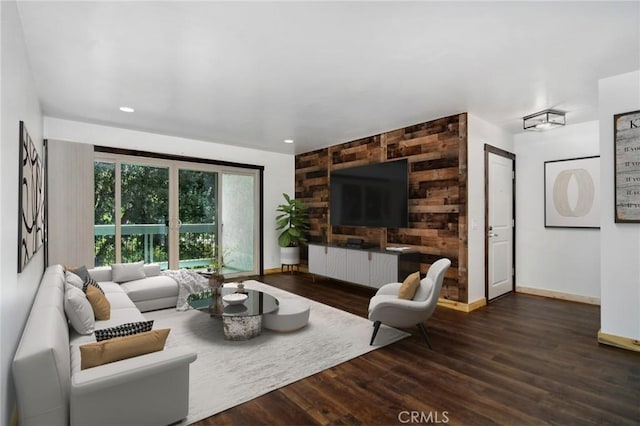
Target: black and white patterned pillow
{"x": 91, "y": 282}
{"x": 123, "y": 330}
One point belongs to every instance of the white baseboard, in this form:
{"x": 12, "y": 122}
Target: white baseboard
{"x": 558, "y": 295}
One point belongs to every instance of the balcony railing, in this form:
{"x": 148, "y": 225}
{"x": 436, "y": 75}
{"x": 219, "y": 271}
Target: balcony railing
{"x": 148, "y": 231}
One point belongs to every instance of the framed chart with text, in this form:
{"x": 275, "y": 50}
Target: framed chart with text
{"x": 626, "y": 136}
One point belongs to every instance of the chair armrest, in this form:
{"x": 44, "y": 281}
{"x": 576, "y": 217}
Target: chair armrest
{"x": 401, "y": 304}
{"x": 389, "y": 289}
{"x": 129, "y": 370}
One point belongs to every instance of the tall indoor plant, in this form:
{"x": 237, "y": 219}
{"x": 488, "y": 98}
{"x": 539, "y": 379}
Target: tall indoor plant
{"x": 293, "y": 220}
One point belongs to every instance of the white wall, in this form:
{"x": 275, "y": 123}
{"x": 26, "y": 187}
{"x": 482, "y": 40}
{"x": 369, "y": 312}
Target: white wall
{"x": 19, "y": 102}
{"x": 561, "y": 260}
{"x": 620, "y": 242}
{"x": 479, "y": 133}
{"x": 279, "y": 169}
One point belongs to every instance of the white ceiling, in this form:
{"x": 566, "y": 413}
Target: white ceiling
{"x": 322, "y": 73}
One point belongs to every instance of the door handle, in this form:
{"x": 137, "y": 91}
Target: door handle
{"x": 492, "y": 234}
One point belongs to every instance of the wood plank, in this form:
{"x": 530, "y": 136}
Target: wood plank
{"x": 519, "y": 360}
{"x": 436, "y": 152}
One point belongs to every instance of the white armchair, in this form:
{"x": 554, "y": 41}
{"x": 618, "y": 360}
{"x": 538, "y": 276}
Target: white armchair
{"x": 386, "y": 308}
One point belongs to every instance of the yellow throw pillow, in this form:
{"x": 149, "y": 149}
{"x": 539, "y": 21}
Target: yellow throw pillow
{"x": 119, "y": 348}
{"x": 99, "y": 303}
{"x": 409, "y": 286}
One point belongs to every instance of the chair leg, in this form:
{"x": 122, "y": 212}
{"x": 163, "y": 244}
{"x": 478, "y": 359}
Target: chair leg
{"x": 423, "y": 330}
{"x": 376, "y": 327}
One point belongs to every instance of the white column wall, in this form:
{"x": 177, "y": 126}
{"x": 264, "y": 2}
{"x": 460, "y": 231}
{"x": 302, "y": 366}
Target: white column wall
{"x": 479, "y": 132}
{"x": 620, "y": 242}
{"x": 71, "y": 193}
{"x": 19, "y": 103}
{"x": 559, "y": 260}
{"x": 279, "y": 169}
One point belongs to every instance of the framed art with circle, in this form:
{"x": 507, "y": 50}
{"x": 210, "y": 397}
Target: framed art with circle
{"x": 571, "y": 193}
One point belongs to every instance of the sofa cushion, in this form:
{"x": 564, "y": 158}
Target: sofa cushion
{"x": 91, "y": 282}
{"x": 99, "y": 303}
{"x": 101, "y": 273}
{"x": 127, "y": 329}
{"x": 409, "y": 286}
{"x": 121, "y": 316}
{"x": 120, "y": 301}
{"x": 151, "y": 288}
{"x": 80, "y": 271}
{"x": 73, "y": 279}
{"x": 51, "y": 296}
{"x": 119, "y": 348}
{"x": 78, "y": 310}
{"x": 122, "y": 272}
{"x": 110, "y": 287}
{"x": 151, "y": 270}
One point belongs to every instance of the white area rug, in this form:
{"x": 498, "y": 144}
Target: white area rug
{"x": 229, "y": 373}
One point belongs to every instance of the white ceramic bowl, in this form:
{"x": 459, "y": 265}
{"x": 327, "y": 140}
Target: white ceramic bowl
{"x": 234, "y": 298}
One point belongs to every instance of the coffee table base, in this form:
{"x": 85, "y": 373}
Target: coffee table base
{"x": 242, "y": 328}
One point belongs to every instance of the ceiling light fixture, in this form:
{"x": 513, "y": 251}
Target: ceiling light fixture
{"x": 288, "y": 141}
{"x": 126, "y": 109}
{"x": 544, "y": 120}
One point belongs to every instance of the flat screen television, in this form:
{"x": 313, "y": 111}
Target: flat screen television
{"x": 375, "y": 195}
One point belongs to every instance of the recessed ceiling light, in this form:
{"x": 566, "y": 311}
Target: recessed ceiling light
{"x": 126, "y": 109}
{"x": 288, "y": 141}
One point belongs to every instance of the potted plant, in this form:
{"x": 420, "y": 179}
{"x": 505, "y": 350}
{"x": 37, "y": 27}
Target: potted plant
{"x": 293, "y": 220}
{"x": 215, "y": 268}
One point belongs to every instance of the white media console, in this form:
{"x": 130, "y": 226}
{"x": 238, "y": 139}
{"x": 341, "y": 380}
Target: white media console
{"x": 369, "y": 267}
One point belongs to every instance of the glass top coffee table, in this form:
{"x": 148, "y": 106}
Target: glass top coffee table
{"x": 242, "y": 317}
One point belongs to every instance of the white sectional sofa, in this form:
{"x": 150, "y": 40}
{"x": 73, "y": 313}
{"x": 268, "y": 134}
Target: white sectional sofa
{"x": 53, "y": 390}
{"x": 154, "y": 291}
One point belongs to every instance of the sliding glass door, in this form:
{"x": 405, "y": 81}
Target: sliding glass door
{"x": 239, "y": 222}
{"x": 198, "y": 218}
{"x": 144, "y": 209}
{"x": 140, "y": 194}
{"x": 104, "y": 209}
{"x": 177, "y": 214}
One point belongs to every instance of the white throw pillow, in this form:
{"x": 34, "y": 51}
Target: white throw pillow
{"x": 122, "y": 272}
{"x": 151, "y": 270}
{"x": 73, "y": 279}
{"x": 78, "y": 310}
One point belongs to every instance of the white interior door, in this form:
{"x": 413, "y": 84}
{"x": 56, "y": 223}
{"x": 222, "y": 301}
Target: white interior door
{"x": 500, "y": 225}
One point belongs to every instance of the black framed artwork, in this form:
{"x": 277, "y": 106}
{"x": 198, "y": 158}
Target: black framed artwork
{"x": 31, "y": 215}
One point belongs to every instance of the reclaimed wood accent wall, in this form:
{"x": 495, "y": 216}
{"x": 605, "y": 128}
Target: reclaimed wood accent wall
{"x": 437, "y": 155}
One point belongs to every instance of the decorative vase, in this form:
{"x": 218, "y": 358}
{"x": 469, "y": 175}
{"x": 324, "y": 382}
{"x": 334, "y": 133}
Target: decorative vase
{"x": 290, "y": 255}
{"x": 215, "y": 282}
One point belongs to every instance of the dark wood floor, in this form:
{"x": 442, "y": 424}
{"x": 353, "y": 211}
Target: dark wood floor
{"x": 522, "y": 360}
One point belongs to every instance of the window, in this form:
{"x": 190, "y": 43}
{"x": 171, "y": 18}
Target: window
{"x": 105, "y": 212}
{"x": 176, "y": 213}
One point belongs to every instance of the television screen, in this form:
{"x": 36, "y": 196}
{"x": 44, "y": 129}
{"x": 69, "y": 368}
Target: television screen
{"x": 375, "y": 195}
